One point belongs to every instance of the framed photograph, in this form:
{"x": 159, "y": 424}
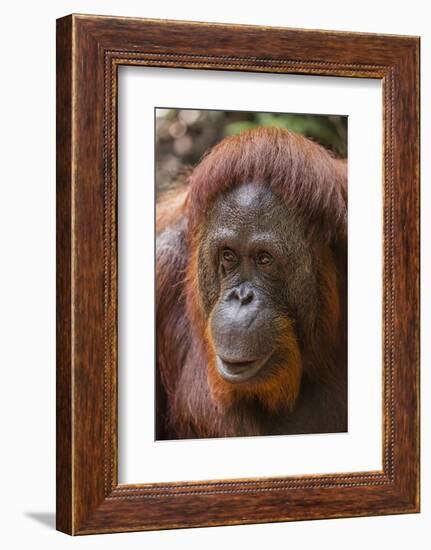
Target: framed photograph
{"x": 237, "y": 274}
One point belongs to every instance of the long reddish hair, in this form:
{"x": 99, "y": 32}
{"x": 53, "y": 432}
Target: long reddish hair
{"x": 302, "y": 173}
{"x": 312, "y": 185}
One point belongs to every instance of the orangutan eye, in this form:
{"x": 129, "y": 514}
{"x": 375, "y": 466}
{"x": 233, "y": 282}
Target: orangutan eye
{"x": 264, "y": 259}
{"x": 229, "y": 257}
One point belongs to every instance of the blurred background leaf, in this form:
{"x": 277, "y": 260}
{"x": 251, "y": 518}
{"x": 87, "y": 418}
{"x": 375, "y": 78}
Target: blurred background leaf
{"x": 183, "y": 135}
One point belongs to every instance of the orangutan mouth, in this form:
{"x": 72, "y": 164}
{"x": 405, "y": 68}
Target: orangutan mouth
{"x": 235, "y": 371}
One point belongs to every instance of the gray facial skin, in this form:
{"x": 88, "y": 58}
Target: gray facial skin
{"x": 256, "y": 268}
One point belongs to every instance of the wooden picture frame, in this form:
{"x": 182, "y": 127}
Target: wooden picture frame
{"x": 89, "y": 51}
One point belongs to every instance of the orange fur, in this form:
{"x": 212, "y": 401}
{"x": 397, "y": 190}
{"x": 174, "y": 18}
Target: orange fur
{"x": 279, "y": 390}
{"x": 322, "y": 337}
{"x": 170, "y": 208}
{"x": 309, "y": 378}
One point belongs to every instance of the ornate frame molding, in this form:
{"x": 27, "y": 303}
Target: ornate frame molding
{"x": 89, "y": 498}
